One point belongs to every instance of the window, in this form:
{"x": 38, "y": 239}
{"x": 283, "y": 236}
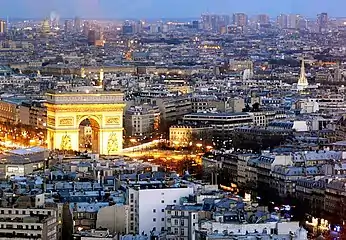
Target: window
{"x": 176, "y": 222}
{"x": 154, "y": 219}
{"x": 162, "y": 210}
{"x": 174, "y": 201}
{"x": 154, "y": 210}
{"x": 2, "y": 212}
{"x": 162, "y": 201}
{"x": 182, "y": 232}
{"x": 162, "y": 219}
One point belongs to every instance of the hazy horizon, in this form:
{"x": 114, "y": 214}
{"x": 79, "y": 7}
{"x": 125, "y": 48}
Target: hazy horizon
{"x": 120, "y": 9}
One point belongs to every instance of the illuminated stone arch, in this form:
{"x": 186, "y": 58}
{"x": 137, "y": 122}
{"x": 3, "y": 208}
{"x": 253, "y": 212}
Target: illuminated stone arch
{"x": 66, "y": 111}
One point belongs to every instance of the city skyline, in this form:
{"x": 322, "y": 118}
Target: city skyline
{"x": 163, "y": 8}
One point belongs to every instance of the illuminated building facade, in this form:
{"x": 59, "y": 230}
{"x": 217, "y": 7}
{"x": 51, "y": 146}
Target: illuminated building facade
{"x": 10, "y": 110}
{"x": 142, "y": 120}
{"x": 66, "y": 111}
{"x": 302, "y": 81}
{"x": 185, "y": 136}
{"x": 222, "y": 124}
{"x": 45, "y": 28}
{"x": 95, "y": 38}
{"x": 2, "y": 27}
{"x": 33, "y": 113}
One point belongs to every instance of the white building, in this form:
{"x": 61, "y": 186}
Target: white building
{"x": 307, "y": 106}
{"x": 148, "y": 201}
{"x": 237, "y": 229}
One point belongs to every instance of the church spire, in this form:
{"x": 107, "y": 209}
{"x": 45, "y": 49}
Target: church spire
{"x": 302, "y": 81}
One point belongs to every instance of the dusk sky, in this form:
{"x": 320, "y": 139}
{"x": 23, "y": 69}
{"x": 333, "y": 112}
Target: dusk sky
{"x": 165, "y": 8}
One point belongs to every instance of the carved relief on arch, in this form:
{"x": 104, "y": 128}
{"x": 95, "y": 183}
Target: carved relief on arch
{"x": 116, "y": 120}
{"x": 97, "y": 118}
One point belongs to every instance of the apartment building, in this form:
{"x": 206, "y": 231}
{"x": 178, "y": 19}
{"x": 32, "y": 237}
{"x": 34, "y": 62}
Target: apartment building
{"x": 148, "y": 201}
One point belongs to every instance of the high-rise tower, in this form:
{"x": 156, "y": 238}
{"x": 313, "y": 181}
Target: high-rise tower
{"x": 322, "y": 21}
{"x": 3, "y": 27}
{"x": 302, "y": 81}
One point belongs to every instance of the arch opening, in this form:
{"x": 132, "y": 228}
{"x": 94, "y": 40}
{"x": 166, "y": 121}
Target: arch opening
{"x": 89, "y": 136}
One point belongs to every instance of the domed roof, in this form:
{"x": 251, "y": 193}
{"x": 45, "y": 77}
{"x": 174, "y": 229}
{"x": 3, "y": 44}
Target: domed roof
{"x": 45, "y": 26}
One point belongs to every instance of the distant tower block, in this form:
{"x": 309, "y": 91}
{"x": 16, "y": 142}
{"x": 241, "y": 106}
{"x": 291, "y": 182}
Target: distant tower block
{"x": 82, "y": 73}
{"x": 302, "y": 81}
{"x": 102, "y": 75}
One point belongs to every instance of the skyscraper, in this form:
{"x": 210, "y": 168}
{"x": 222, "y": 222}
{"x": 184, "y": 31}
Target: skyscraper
{"x": 86, "y": 28}
{"x": 206, "y": 22}
{"x": 77, "y": 24}
{"x": 240, "y": 19}
{"x": 3, "y": 27}
{"x": 214, "y": 22}
{"x": 263, "y": 19}
{"x": 282, "y": 21}
{"x": 293, "y": 21}
{"x": 322, "y": 21}
{"x": 195, "y": 25}
{"x": 68, "y": 26}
